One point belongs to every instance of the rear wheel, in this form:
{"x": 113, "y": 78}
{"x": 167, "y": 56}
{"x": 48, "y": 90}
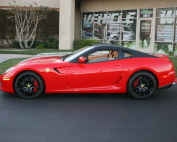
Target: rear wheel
{"x": 29, "y": 85}
{"x": 142, "y": 85}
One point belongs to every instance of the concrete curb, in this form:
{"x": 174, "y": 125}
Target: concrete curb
{"x": 2, "y": 60}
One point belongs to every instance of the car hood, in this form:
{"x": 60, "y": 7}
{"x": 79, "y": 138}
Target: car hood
{"x": 50, "y": 59}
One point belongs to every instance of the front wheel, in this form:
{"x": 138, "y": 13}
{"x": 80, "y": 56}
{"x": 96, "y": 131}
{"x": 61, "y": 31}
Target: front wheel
{"x": 29, "y": 85}
{"x": 142, "y": 85}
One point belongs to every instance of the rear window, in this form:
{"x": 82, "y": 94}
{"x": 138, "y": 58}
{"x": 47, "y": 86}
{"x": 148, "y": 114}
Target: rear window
{"x": 127, "y": 55}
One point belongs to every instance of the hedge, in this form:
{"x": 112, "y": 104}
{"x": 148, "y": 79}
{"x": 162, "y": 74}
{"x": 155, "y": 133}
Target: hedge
{"x": 77, "y": 44}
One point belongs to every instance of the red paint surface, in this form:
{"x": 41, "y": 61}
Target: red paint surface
{"x": 102, "y": 77}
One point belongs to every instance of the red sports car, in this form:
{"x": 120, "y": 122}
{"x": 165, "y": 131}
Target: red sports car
{"x": 99, "y": 68}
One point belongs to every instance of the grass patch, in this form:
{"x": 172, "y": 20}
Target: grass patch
{"x": 174, "y": 60}
{"x": 33, "y": 52}
{"x": 9, "y": 63}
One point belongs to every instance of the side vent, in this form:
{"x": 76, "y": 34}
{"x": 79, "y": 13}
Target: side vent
{"x": 57, "y": 70}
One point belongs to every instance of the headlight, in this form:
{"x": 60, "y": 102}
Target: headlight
{"x": 8, "y": 70}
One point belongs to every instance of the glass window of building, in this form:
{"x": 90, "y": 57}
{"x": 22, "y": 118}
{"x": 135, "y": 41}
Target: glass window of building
{"x": 165, "y": 30}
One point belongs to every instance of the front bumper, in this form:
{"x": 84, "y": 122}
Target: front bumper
{"x": 6, "y": 85}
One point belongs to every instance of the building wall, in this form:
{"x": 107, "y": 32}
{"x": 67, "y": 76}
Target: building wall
{"x": 107, "y": 5}
{"x": 77, "y": 29}
{"x": 148, "y": 26}
{"x": 49, "y": 3}
{"x": 67, "y": 23}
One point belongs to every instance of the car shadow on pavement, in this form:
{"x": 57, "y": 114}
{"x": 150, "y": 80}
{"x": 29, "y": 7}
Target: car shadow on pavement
{"x": 87, "y": 95}
{"x": 168, "y": 94}
{"x": 73, "y": 96}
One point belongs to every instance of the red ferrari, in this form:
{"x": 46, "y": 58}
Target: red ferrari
{"x": 99, "y": 68}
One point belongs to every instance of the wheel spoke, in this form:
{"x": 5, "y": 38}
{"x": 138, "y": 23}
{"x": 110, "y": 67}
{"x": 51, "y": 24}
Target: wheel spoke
{"x": 31, "y": 79}
{"x": 28, "y": 85}
{"x": 142, "y": 85}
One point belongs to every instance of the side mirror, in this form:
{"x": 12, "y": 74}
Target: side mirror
{"x": 81, "y": 60}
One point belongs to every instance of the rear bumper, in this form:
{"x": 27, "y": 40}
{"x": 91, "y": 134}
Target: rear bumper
{"x": 167, "y": 86}
{"x": 0, "y": 82}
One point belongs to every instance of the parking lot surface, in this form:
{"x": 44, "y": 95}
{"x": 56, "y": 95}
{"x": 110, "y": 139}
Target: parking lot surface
{"x": 89, "y": 118}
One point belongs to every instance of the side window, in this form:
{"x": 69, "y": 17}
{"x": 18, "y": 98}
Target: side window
{"x": 127, "y": 55}
{"x": 102, "y": 56}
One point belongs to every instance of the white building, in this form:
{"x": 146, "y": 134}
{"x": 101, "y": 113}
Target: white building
{"x": 149, "y": 26}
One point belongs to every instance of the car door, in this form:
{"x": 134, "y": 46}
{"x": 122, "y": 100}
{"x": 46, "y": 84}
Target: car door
{"x": 94, "y": 75}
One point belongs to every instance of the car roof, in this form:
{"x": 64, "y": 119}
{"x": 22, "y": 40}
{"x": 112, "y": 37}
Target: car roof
{"x": 124, "y": 49}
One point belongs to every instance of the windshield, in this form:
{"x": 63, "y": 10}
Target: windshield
{"x": 70, "y": 57}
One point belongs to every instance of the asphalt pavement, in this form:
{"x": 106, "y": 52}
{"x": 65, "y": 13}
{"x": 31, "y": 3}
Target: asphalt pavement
{"x": 89, "y": 118}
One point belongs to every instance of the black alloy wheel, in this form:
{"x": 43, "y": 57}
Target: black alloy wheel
{"x": 29, "y": 85}
{"x": 142, "y": 85}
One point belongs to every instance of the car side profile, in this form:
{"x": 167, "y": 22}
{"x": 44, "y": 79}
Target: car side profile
{"x": 98, "y": 68}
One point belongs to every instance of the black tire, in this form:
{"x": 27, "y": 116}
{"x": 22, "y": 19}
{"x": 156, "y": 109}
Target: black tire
{"x": 142, "y": 85}
{"x": 29, "y": 85}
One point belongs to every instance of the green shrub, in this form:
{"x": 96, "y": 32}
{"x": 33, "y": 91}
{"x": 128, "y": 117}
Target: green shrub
{"x": 77, "y": 44}
{"x": 40, "y": 47}
{"x": 45, "y": 43}
{"x": 55, "y": 43}
{"x": 35, "y": 43}
{"x": 50, "y": 45}
{"x": 15, "y": 44}
{"x": 53, "y": 11}
{"x": 51, "y": 39}
{"x": 88, "y": 42}
{"x": 171, "y": 53}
